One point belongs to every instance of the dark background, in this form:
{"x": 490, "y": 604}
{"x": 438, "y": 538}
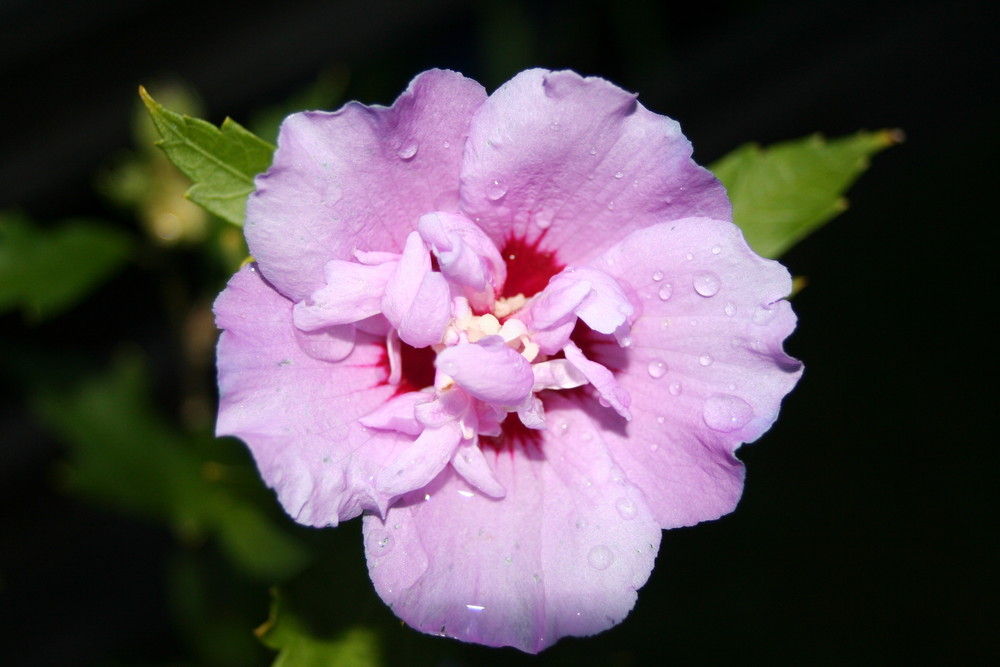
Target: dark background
{"x": 867, "y": 530}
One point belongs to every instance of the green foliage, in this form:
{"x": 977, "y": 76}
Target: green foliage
{"x": 124, "y": 454}
{"x": 299, "y": 646}
{"x": 784, "y": 192}
{"x": 46, "y": 271}
{"x": 221, "y": 161}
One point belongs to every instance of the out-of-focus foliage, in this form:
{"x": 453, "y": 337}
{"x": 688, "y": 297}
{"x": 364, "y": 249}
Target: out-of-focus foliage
{"x": 45, "y": 271}
{"x": 299, "y": 646}
{"x": 784, "y": 192}
{"x": 127, "y": 456}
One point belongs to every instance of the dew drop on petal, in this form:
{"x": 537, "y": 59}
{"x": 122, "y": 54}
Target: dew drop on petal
{"x": 593, "y": 150}
{"x": 619, "y": 174}
{"x": 707, "y": 283}
{"x": 626, "y": 341}
{"x": 495, "y": 190}
{"x": 658, "y": 276}
{"x": 475, "y": 607}
{"x": 543, "y": 219}
{"x": 726, "y": 413}
{"x": 730, "y": 309}
{"x": 689, "y": 257}
{"x": 675, "y": 389}
{"x": 626, "y": 508}
{"x": 447, "y": 144}
{"x": 611, "y": 206}
{"x": 600, "y": 557}
{"x": 656, "y": 368}
{"x": 705, "y": 359}
{"x": 665, "y": 291}
{"x": 763, "y": 315}
{"x": 407, "y": 151}
{"x": 716, "y": 249}
{"x": 661, "y": 419}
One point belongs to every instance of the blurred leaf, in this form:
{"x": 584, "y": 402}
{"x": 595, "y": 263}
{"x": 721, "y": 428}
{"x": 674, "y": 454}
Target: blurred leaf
{"x": 222, "y": 162}
{"x": 784, "y": 192}
{"x": 297, "y": 646}
{"x": 124, "y": 454}
{"x": 45, "y": 271}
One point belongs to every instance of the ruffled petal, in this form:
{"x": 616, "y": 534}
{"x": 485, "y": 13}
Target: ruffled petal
{"x": 297, "y": 413}
{"x": 359, "y": 177}
{"x": 603, "y": 380}
{"x": 579, "y": 163}
{"x": 488, "y": 370}
{"x": 353, "y": 292}
{"x": 465, "y": 254}
{"x": 421, "y": 462}
{"x": 706, "y": 369}
{"x": 562, "y": 554}
{"x": 469, "y": 462}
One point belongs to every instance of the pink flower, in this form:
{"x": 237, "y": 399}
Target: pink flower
{"x": 517, "y": 333}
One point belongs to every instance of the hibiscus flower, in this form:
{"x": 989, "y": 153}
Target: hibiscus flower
{"x": 518, "y": 333}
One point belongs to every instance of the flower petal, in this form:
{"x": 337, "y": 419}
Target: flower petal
{"x": 359, "y": 177}
{"x": 353, "y": 292}
{"x": 706, "y": 369}
{"x": 562, "y": 554}
{"x": 488, "y": 370}
{"x": 579, "y": 163}
{"x": 421, "y": 462}
{"x": 297, "y": 413}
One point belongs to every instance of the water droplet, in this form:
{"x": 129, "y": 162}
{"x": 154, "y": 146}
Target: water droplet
{"x": 427, "y": 497}
{"x": 611, "y": 206}
{"x": 447, "y": 144}
{"x": 466, "y": 494}
{"x": 600, "y": 557}
{"x": 726, "y": 413}
{"x": 543, "y": 219}
{"x": 475, "y": 607}
{"x": 564, "y": 427}
{"x": 730, "y": 309}
{"x": 661, "y": 419}
{"x": 407, "y": 151}
{"x": 554, "y": 126}
{"x": 619, "y": 174}
{"x": 705, "y": 359}
{"x": 495, "y": 190}
{"x": 658, "y": 276}
{"x": 707, "y": 283}
{"x": 626, "y": 341}
{"x": 616, "y": 475}
{"x": 763, "y": 315}
{"x": 593, "y": 150}
{"x": 689, "y": 257}
{"x": 675, "y": 389}
{"x": 716, "y": 249}
{"x": 657, "y": 368}
{"x": 665, "y": 291}
{"x": 626, "y": 508}
{"x": 653, "y": 447}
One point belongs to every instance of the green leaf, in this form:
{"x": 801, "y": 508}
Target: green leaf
{"x": 45, "y": 271}
{"x": 784, "y": 192}
{"x": 124, "y": 454}
{"x": 222, "y": 161}
{"x": 298, "y": 646}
